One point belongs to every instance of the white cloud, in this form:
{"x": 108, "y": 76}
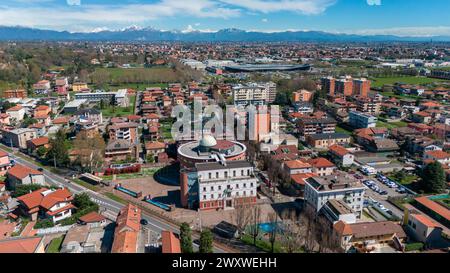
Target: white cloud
{"x": 268, "y": 6}
{"x": 264, "y": 20}
{"x": 73, "y": 2}
{"x": 374, "y": 2}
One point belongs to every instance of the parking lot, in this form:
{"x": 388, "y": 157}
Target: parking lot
{"x": 379, "y": 189}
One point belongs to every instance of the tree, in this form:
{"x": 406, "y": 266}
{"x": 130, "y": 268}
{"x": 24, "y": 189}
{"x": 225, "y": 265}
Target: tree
{"x": 186, "y": 238}
{"x": 272, "y": 218}
{"x": 25, "y": 189}
{"x": 255, "y": 219}
{"x": 92, "y": 151}
{"x": 433, "y": 178}
{"x": 242, "y": 217}
{"x": 206, "y": 241}
{"x": 58, "y": 151}
{"x": 292, "y": 235}
{"x": 41, "y": 151}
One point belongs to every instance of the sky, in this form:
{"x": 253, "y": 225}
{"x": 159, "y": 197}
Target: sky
{"x": 396, "y": 17}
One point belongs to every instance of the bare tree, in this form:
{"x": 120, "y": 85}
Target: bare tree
{"x": 255, "y": 219}
{"x": 272, "y": 218}
{"x": 242, "y": 215}
{"x": 292, "y": 235}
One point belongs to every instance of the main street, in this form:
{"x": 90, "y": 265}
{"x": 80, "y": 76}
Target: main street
{"x": 112, "y": 207}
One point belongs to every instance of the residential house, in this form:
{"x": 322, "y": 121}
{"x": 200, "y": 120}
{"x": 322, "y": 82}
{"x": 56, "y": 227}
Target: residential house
{"x": 323, "y": 141}
{"x": 154, "y": 148}
{"x": 297, "y": 167}
{"x": 126, "y": 131}
{"x": 170, "y": 243}
{"x": 439, "y": 156}
{"x": 424, "y": 229}
{"x": 23, "y": 245}
{"x": 93, "y": 219}
{"x": 120, "y": 149}
{"x": 341, "y": 156}
{"x": 23, "y": 175}
{"x": 16, "y": 113}
{"x": 370, "y": 236}
{"x": 127, "y": 230}
{"x": 322, "y": 166}
{"x": 5, "y": 163}
{"x": 4, "y": 119}
{"x": 35, "y": 144}
{"x": 47, "y": 204}
{"x": 19, "y": 137}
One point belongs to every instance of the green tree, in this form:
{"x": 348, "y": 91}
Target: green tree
{"x": 433, "y": 178}
{"x": 206, "y": 242}
{"x": 25, "y": 189}
{"x": 41, "y": 151}
{"x": 58, "y": 152}
{"x": 186, "y": 238}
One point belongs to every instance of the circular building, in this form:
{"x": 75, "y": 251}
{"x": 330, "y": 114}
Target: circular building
{"x": 208, "y": 149}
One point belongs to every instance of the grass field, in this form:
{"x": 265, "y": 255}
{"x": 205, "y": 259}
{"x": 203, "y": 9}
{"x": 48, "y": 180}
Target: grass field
{"x": 55, "y": 245}
{"x": 379, "y": 82}
{"x": 341, "y": 130}
{"x": 115, "y": 198}
{"x": 85, "y": 184}
{"x": 133, "y": 76}
{"x": 143, "y": 173}
{"x": 111, "y": 111}
{"x": 391, "y": 125}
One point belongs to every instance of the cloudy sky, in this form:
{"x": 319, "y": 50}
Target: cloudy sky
{"x": 399, "y": 17}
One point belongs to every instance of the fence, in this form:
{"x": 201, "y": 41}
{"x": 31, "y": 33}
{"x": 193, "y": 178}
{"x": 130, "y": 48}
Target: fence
{"x": 53, "y": 230}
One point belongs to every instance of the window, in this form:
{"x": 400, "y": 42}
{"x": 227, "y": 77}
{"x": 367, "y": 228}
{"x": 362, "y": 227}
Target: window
{"x": 234, "y": 173}
{"x": 209, "y": 174}
{"x": 220, "y": 188}
{"x": 204, "y": 197}
{"x": 237, "y": 186}
{"x": 204, "y": 188}
{"x": 226, "y": 174}
{"x": 217, "y": 174}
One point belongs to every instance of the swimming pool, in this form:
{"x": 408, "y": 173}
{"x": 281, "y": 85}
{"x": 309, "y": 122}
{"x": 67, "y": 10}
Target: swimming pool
{"x": 268, "y": 227}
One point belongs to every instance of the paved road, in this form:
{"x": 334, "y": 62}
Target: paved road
{"x": 155, "y": 224}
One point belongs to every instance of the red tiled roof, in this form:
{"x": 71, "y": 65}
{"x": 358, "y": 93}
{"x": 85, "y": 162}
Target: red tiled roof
{"x": 92, "y": 217}
{"x": 20, "y": 171}
{"x": 301, "y": 177}
{"x": 40, "y": 141}
{"x": 37, "y": 199}
{"x": 321, "y": 163}
{"x": 297, "y": 164}
{"x": 20, "y": 245}
{"x": 170, "y": 243}
{"x": 15, "y": 108}
{"x": 343, "y": 228}
{"x": 155, "y": 145}
{"x": 425, "y": 220}
{"x": 444, "y": 212}
{"x": 438, "y": 154}
{"x": 3, "y": 153}
{"x": 339, "y": 150}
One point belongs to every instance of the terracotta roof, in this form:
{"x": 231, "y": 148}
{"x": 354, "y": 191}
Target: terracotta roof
{"x": 155, "y": 145}
{"x": 224, "y": 144}
{"x": 339, "y": 150}
{"x": 61, "y": 120}
{"x": 342, "y": 228}
{"x": 297, "y": 164}
{"x": 92, "y": 217}
{"x": 438, "y": 154}
{"x": 127, "y": 229}
{"x": 15, "y": 108}
{"x": 38, "y": 199}
{"x": 425, "y": 201}
{"x": 20, "y": 245}
{"x": 301, "y": 177}
{"x": 170, "y": 243}
{"x": 20, "y": 171}
{"x": 6, "y": 228}
{"x": 40, "y": 141}
{"x": 3, "y": 153}
{"x": 425, "y": 220}
{"x": 321, "y": 163}
{"x": 134, "y": 117}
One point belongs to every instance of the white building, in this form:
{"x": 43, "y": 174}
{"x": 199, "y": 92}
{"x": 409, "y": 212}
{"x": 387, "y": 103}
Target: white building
{"x": 360, "y": 120}
{"x": 319, "y": 190}
{"x": 254, "y": 93}
{"x": 226, "y": 184}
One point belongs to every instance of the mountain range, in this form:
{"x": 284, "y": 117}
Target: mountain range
{"x": 18, "y": 33}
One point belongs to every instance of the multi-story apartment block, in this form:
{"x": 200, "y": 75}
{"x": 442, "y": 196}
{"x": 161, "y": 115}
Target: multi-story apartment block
{"x": 319, "y": 190}
{"x": 344, "y": 86}
{"x": 126, "y": 130}
{"x": 19, "y": 137}
{"x": 118, "y": 98}
{"x": 360, "y": 120}
{"x": 312, "y": 126}
{"x": 15, "y": 93}
{"x": 254, "y": 93}
{"x": 219, "y": 185}
{"x": 361, "y": 87}
{"x": 368, "y": 105}
{"x": 328, "y": 85}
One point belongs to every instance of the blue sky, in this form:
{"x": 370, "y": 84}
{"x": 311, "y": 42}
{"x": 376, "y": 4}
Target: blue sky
{"x": 399, "y": 17}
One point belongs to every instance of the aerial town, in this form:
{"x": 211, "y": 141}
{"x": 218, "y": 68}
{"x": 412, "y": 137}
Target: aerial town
{"x": 357, "y": 161}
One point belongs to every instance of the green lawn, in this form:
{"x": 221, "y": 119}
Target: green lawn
{"x": 407, "y": 180}
{"x": 391, "y": 125}
{"x": 342, "y": 130}
{"x": 112, "y": 111}
{"x": 55, "y": 245}
{"x": 115, "y": 198}
{"x": 379, "y": 82}
{"x": 261, "y": 244}
{"x": 143, "y": 173}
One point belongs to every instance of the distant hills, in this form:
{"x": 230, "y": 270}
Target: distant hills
{"x": 224, "y": 35}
